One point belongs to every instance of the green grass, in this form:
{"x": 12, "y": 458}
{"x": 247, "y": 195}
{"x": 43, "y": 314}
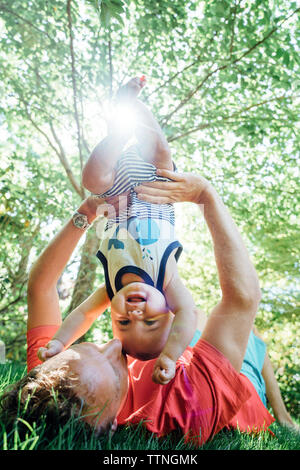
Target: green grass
{"x": 75, "y": 437}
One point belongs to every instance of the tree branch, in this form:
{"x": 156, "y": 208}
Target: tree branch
{"x": 226, "y": 118}
{"x": 74, "y": 85}
{"x": 85, "y": 144}
{"x": 173, "y": 77}
{"x": 222, "y": 67}
{"x": 232, "y": 30}
{"x": 60, "y": 153}
{"x": 8, "y": 10}
{"x": 83, "y": 139}
{"x": 130, "y": 66}
{"x": 17, "y": 340}
{"x": 13, "y": 302}
{"x": 110, "y": 66}
{"x": 64, "y": 161}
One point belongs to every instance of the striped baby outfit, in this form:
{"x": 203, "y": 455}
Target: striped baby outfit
{"x": 132, "y": 170}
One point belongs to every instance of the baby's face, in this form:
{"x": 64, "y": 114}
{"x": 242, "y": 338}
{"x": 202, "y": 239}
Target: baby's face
{"x": 141, "y": 320}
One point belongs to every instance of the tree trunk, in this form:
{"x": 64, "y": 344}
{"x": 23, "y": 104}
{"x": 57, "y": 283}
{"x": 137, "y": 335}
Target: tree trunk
{"x": 84, "y": 284}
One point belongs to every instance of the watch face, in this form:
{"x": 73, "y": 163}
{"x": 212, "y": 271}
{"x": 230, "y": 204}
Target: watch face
{"x": 80, "y": 221}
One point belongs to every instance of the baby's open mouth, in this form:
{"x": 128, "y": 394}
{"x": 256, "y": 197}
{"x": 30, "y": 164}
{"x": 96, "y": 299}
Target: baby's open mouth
{"x": 135, "y": 299}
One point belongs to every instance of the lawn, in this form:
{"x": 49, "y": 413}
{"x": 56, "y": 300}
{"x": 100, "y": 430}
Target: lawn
{"x": 75, "y": 437}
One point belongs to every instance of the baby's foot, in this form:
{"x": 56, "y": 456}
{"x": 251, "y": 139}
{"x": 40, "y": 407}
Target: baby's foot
{"x": 132, "y": 89}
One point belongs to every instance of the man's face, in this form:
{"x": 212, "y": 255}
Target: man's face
{"x": 141, "y": 320}
{"x": 101, "y": 378}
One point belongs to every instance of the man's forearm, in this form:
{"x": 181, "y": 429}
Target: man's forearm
{"x": 238, "y": 278}
{"x": 51, "y": 263}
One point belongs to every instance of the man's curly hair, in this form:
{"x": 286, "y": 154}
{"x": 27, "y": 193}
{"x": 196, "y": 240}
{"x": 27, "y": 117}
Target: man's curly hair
{"x": 48, "y": 397}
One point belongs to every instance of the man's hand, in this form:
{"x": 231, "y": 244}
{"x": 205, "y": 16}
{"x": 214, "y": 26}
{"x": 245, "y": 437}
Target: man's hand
{"x": 164, "y": 370}
{"x": 184, "y": 187}
{"x": 51, "y": 349}
{"x": 93, "y": 206}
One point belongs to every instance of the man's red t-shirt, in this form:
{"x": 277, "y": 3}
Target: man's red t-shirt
{"x": 205, "y": 396}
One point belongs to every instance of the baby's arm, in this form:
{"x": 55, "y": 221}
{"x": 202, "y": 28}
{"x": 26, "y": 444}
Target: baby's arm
{"x": 181, "y": 303}
{"x": 77, "y": 323}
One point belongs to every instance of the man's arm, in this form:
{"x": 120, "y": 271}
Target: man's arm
{"x": 43, "y": 302}
{"x": 229, "y": 325}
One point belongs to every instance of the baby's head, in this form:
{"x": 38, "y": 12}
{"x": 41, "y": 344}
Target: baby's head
{"x": 141, "y": 320}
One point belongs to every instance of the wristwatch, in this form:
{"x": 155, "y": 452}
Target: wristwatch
{"x": 80, "y": 221}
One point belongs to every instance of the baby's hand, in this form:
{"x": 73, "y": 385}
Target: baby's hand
{"x": 52, "y": 348}
{"x": 164, "y": 370}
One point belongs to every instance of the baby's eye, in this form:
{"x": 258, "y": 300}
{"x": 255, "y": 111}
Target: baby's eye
{"x": 124, "y": 322}
{"x": 149, "y": 322}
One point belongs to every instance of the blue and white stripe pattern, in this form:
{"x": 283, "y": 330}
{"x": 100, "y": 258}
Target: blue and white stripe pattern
{"x": 132, "y": 170}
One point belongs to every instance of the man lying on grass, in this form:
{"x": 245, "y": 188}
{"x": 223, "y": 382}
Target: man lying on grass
{"x": 103, "y": 387}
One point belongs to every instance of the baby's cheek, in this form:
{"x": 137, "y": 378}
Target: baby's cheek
{"x": 117, "y": 308}
{"x": 159, "y": 304}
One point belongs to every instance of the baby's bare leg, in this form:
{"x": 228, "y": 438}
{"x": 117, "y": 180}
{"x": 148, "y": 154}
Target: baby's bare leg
{"x": 153, "y": 144}
{"x": 98, "y": 173}
{"x": 154, "y": 147}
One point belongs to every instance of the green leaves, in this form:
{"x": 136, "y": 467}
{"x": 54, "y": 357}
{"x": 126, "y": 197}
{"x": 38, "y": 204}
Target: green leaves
{"x": 284, "y": 55}
{"x": 111, "y": 9}
{"x": 221, "y": 8}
